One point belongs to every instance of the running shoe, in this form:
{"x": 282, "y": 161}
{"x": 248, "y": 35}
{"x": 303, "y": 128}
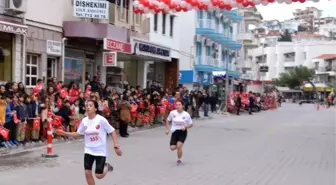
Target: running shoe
{"x": 16, "y": 142}
{"x": 109, "y": 167}
{"x": 11, "y": 143}
{"x": 179, "y": 162}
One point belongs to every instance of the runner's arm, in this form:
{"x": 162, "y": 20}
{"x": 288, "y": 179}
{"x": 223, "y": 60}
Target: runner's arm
{"x": 168, "y": 120}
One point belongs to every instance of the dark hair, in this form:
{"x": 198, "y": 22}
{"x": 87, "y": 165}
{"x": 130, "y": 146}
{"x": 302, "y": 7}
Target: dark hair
{"x": 95, "y": 104}
{"x": 178, "y": 100}
{"x": 125, "y": 97}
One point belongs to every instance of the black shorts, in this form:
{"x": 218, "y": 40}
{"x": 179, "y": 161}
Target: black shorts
{"x": 100, "y": 163}
{"x": 178, "y": 136}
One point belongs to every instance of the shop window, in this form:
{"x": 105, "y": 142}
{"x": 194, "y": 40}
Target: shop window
{"x": 51, "y": 68}
{"x": 5, "y": 57}
{"x": 31, "y": 70}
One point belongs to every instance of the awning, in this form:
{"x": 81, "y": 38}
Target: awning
{"x": 13, "y": 27}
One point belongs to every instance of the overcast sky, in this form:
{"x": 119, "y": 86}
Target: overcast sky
{"x": 284, "y": 11}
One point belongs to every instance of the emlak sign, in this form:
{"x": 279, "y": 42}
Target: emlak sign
{"x": 10, "y": 27}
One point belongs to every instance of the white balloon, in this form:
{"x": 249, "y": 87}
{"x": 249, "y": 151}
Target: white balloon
{"x": 249, "y": 0}
{"x": 257, "y": 2}
{"x": 315, "y": 1}
{"x": 136, "y": 3}
{"x": 141, "y": 6}
{"x": 240, "y": 5}
{"x": 233, "y": 4}
{"x": 288, "y": 1}
{"x": 183, "y": 4}
{"x": 264, "y": 3}
{"x": 161, "y": 5}
{"x": 146, "y": 10}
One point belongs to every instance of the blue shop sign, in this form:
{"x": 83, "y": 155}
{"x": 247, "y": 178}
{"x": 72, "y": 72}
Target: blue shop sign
{"x": 147, "y": 48}
{"x": 186, "y": 76}
{"x": 205, "y": 78}
{"x": 154, "y": 50}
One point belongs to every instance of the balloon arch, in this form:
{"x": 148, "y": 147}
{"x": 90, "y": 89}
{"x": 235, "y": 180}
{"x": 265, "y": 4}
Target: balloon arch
{"x": 157, "y": 6}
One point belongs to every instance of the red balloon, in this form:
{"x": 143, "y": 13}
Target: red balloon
{"x": 200, "y": 6}
{"x": 184, "y": 9}
{"x": 221, "y": 5}
{"x": 215, "y": 2}
{"x": 252, "y": 4}
{"x": 239, "y": 1}
{"x": 228, "y": 7}
{"x": 193, "y": 3}
{"x": 246, "y": 4}
{"x": 302, "y": 1}
{"x": 271, "y": 1}
{"x": 205, "y": 7}
{"x": 178, "y": 8}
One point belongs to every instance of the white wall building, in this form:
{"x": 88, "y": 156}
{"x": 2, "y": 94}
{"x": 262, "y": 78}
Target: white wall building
{"x": 286, "y": 55}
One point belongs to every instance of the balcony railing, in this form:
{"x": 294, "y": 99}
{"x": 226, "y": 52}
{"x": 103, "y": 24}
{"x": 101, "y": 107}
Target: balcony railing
{"x": 205, "y": 23}
{"x": 123, "y": 17}
{"x": 289, "y": 59}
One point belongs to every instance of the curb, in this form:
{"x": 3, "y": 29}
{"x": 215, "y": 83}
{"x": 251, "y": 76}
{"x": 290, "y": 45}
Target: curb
{"x": 24, "y": 149}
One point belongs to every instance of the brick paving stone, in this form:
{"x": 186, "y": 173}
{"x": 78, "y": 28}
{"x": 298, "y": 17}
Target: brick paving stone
{"x": 289, "y": 146}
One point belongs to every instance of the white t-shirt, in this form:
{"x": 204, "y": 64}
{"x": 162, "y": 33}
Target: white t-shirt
{"x": 179, "y": 120}
{"x": 95, "y": 133}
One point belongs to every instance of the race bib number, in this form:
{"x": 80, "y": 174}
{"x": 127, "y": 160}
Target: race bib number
{"x": 94, "y": 138}
{"x": 179, "y": 123}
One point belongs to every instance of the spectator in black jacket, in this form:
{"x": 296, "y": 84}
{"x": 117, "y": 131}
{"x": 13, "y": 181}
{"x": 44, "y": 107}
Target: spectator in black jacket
{"x": 65, "y": 113}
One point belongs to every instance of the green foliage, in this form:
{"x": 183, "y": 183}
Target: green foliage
{"x": 286, "y": 37}
{"x": 295, "y": 77}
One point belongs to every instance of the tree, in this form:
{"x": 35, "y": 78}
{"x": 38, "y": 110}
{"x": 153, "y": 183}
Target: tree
{"x": 302, "y": 28}
{"x": 285, "y": 37}
{"x": 295, "y": 77}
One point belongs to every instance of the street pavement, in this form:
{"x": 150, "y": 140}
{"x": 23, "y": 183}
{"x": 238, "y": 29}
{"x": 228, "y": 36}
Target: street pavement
{"x": 289, "y": 146}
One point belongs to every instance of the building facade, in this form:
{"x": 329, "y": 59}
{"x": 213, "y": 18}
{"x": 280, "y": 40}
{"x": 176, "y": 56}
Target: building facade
{"x": 284, "y": 56}
{"x": 61, "y": 39}
{"x": 211, "y": 38}
{"x": 164, "y": 33}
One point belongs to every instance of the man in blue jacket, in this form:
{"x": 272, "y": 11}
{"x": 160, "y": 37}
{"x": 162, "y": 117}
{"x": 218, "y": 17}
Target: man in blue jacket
{"x": 10, "y": 125}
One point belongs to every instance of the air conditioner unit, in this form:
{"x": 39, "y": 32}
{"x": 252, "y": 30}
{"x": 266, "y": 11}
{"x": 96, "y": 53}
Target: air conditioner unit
{"x": 15, "y": 7}
{"x": 209, "y": 42}
{"x": 214, "y": 13}
{"x": 205, "y": 42}
{"x": 214, "y": 55}
{"x": 215, "y": 46}
{"x": 197, "y": 38}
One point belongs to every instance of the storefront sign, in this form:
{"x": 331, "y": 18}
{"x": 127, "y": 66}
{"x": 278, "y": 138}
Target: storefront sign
{"x": 118, "y": 46}
{"x": 110, "y": 59}
{"x": 96, "y": 9}
{"x": 54, "y": 48}
{"x": 10, "y": 27}
{"x": 186, "y": 76}
{"x": 149, "y": 49}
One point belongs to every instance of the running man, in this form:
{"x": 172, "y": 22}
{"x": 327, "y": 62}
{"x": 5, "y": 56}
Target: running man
{"x": 95, "y": 129}
{"x": 180, "y": 122}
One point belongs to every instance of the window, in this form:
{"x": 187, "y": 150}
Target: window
{"x": 51, "y": 68}
{"x": 155, "y": 22}
{"x": 171, "y": 32}
{"x": 198, "y": 49}
{"x": 31, "y": 70}
{"x": 163, "y": 23}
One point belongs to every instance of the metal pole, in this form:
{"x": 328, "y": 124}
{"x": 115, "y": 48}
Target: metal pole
{"x": 226, "y": 83}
